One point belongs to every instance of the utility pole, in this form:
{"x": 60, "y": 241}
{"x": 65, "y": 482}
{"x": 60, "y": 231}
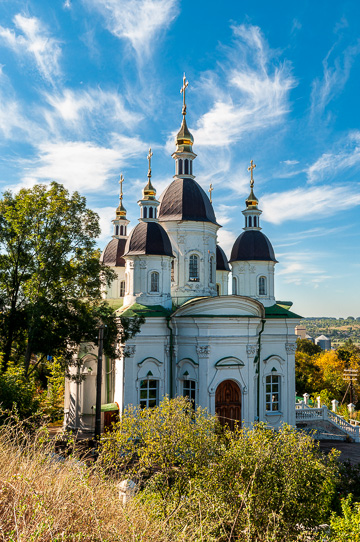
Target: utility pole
{"x": 98, "y": 384}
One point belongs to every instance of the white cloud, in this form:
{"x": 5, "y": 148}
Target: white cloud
{"x": 299, "y": 268}
{"x": 226, "y": 240}
{"x": 34, "y": 40}
{"x": 251, "y": 93}
{"x": 81, "y": 166}
{"x": 95, "y": 104}
{"x": 308, "y": 203}
{"x": 330, "y": 164}
{"x": 290, "y": 162}
{"x": 334, "y": 78}
{"x": 137, "y": 21}
{"x": 106, "y": 214}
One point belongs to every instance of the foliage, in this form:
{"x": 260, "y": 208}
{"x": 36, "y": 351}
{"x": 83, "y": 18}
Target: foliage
{"x": 50, "y": 275}
{"x": 17, "y": 393}
{"x": 307, "y": 347}
{"x": 248, "y": 485}
{"x": 346, "y": 528}
{"x": 44, "y": 497}
{"x": 53, "y": 397}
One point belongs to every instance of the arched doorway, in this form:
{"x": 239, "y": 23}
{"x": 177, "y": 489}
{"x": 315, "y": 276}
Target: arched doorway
{"x": 228, "y": 404}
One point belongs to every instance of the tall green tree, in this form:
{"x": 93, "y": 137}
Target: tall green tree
{"x": 50, "y": 275}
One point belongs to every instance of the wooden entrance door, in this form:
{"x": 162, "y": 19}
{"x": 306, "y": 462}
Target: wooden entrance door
{"x": 228, "y": 404}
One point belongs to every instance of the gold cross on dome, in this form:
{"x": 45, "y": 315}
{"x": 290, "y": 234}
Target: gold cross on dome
{"x": 251, "y": 168}
{"x": 182, "y": 90}
{"x": 149, "y": 158}
{"x": 210, "y": 190}
{"x": 121, "y": 183}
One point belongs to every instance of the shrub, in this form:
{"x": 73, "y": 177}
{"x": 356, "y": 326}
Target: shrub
{"x": 216, "y": 485}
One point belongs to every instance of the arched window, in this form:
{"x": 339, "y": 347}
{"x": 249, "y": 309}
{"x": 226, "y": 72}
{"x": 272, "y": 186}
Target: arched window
{"x": 254, "y": 221}
{"x": 250, "y": 222}
{"x": 145, "y": 212}
{"x": 218, "y": 289}
{"x": 155, "y": 212}
{"x": 116, "y": 230}
{"x": 122, "y": 288}
{"x": 272, "y": 394}
{"x": 151, "y": 212}
{"x": 190, "y": 167}
{"x": 186, "y": 166}
{"x": 262, "y": 286}
{"x": 154, "y": 282}
{"x": 211, "y": 269}
{"x": 180, "y": 167}
{"x": 121, "y": 230}
{"x": 194, "y": 268}
{"x": 172, "y": 271}
{"x": 234, "y": 286}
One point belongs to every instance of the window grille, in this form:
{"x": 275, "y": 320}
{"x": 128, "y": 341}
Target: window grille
{"x": 262, "y": 286}
{"x": 149, "y": 393}
{"x": 154, "y": 283}
{"x": 272, "y": 393}
{"x": 189, "y": 390}
{"x": 194, "y": 268}
{"x": 122, "y": 288}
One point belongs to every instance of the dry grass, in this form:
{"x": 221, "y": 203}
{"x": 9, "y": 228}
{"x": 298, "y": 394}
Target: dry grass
{"x": 44, "y": 499}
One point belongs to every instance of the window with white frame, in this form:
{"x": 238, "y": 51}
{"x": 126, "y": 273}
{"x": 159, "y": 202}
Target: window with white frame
{"x": 262, "y": 286}
{"x": 122, "y": 288}
{"x": 194, "y": 268}
{"x": 189, "y": 390}
{"x": 154, "y": 282}
{"x": 149, "y": 393}
{"x": 272, "y": 393}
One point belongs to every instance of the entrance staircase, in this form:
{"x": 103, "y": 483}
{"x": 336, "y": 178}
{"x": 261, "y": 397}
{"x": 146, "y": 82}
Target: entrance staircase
{"x": 325, "y": 424}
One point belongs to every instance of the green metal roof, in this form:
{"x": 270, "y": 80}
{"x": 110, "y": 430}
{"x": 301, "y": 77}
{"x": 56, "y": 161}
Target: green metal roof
{"x": 279, "y": 311}
{"x": 149, "y": 311}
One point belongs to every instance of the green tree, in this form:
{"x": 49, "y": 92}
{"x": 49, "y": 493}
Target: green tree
{"x": 50, "y": 275}
{"x": 307, "y": 347}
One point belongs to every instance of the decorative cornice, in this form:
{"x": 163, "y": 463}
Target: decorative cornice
{"x": 251, "y": 349}
{"x": 203, "y": 351}
{"x": 290, "y": 348}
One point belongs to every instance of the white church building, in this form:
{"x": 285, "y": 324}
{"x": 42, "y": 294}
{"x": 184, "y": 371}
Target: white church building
{"x": 232, "y": 353}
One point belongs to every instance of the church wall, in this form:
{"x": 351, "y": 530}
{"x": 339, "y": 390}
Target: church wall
{"x": 248, "y": 274}
{"x": 138, "y": 271}
{"x": 113, "y": 291}
{"x": 189, "y": 238}
{"x": 222, "y": 278}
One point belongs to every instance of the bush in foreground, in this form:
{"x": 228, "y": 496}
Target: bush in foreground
{"x": 254, "y": 484}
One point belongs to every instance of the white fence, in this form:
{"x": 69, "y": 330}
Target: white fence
{"x": 306, "y": 414}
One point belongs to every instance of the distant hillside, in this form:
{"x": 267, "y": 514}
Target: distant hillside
{"x": 337, "y": 329}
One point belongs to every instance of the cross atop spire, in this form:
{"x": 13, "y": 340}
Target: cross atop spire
{"x": 149, "y": 158}
{"x": 210, "y": 190}
{"x": 182, "y": 90}
{"x": 251, "y": 168}
{"x": 121, "y": 188}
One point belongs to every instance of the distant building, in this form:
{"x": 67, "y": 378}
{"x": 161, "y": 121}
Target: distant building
{"x": 310, "y": 338}
{"x": 323, "y": 342}
{"x": 300, "y": 331}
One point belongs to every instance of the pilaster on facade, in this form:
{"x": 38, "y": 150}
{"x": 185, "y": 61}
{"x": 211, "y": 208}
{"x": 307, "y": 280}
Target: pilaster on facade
{"x": 203, "y": 351}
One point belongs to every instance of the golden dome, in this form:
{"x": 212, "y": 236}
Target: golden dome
{"x": 252, "y": 200}
{"x": 149, "y": 191}
{"x": 120, "y": 211}
{"x": 184, "y": 138}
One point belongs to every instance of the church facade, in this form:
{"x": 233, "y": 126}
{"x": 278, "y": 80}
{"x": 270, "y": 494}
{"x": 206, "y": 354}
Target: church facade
{"x": 232, "y": 353}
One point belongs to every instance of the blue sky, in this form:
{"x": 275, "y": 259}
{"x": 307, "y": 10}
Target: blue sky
{"x": 86, "y": 86}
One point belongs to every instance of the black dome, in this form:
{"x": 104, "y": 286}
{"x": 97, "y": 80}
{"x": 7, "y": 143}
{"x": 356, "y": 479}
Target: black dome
{"x": 184, "y": 199}
{"x": 113, "y": 252}
{"x": 148, "y": 238}
{"x": 221, "y": 260}
{"x": 252, "y": 245}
